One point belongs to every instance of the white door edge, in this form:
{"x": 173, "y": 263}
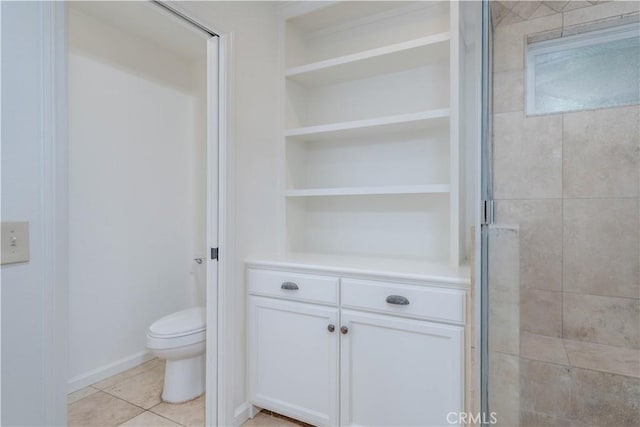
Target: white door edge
{"x": 213, "y": 224}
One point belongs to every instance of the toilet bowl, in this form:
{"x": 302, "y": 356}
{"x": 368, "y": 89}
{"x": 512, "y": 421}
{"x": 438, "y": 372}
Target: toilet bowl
{"x": 179, "y": 338}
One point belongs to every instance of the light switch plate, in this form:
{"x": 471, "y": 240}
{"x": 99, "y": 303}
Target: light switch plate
{"x": 15, "y": 242}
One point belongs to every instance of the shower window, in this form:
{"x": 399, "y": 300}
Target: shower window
{"x": 590, "y": 70}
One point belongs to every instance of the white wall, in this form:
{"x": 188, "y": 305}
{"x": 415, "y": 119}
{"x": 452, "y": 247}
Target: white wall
{"x": 254, "y": 191}
{"x": 254, "y": 162}
{"x": 136, "y": 193}
{"x": 23, "y": 314}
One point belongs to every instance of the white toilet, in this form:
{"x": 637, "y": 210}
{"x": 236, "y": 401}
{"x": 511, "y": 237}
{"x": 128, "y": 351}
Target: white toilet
{"x": 179, "y": 338}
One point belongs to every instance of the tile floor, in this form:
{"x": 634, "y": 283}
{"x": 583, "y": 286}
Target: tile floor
{"x": 132, "y": 398}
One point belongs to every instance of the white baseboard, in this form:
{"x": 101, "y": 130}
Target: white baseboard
{"x": 243, "y": 413}
{"x": 106, "y": 371}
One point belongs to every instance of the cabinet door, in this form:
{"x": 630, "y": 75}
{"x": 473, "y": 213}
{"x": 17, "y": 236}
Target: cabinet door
{"x": 293, "y": 359}
{"x": 399, "y": 372}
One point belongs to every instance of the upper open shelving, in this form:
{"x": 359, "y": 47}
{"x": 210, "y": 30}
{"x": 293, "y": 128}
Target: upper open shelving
{"x": 383, "y": 60}
{"x": 371, "y": 135}
{"x": 363, "y": 191}
{"x": 344, "y": 28}
{"x": 380, "y": 125}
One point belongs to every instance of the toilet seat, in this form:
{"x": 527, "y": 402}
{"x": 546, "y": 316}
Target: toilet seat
{"x": 180, "y": 323}
{"x": 179, "y": 329}
{"x": 159, "y": 343}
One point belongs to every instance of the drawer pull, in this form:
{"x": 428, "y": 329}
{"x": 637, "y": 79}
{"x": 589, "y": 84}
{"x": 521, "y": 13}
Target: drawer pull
{"x": 397, "y": 300}
{"x": 289, "y": 286}
{"x": 331, "y": 327}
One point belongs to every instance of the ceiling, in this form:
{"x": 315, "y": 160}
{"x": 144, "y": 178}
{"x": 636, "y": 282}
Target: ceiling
{"x": 151, "y": 22}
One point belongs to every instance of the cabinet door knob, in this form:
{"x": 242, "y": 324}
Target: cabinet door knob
{"x": 344, "y": 330}
{"x": 397, "y": 300}
{"x": 290, "y": 286}
{"x": 331, "y": 328}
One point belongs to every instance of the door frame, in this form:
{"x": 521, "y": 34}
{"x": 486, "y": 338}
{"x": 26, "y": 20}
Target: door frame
{"x": 56, "y": 227}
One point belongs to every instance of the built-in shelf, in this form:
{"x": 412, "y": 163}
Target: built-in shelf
{"x": 371, "y": 148}
{"x": 362, "y": 191}
{"x": 375, "y": 267}
{"x": 422, "y": 120}
{"x": 373, "y": 62}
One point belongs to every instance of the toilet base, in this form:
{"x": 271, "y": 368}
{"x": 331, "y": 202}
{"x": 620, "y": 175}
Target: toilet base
{"x": 184, "y": 379}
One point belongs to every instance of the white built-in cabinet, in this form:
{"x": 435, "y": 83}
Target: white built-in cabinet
{"x": 359, "y": 317}
{"x": 398, "y": 372}
{"x": 336, "y": 350}
{"x": 294, "y": 359}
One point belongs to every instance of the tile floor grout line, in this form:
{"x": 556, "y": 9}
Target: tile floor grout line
{"x": 560, "y": 365}
{"x": 127, "y": 420}
{"x": 115, "y": 397}
{"x": 126, "y": 401}
{"x": 109, "y": 391}
{"x": 166, "y": 418}
{"x": 82, "y": 398}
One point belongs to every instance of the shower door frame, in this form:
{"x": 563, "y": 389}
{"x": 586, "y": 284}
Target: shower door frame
{"x": 56, "y": 227}
{"x": 486, "y": 196}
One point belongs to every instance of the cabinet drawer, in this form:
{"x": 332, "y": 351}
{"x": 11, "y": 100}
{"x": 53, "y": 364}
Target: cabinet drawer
{"x": 294, "y": 286}
{"x": 445, "y": 305}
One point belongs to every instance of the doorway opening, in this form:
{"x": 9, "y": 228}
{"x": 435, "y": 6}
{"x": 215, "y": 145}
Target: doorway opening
{"x": 143, "y": 215}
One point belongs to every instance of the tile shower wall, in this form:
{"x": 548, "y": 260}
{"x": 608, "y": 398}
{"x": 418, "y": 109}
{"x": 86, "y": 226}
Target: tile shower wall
{"x": 568, "y": 186}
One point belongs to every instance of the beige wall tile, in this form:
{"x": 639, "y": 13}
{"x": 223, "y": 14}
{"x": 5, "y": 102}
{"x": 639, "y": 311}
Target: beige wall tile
{"x": 600, "y": 11}
{"x": 606, "y": 358}
{"x": 504, "y": 388}
{"x": 556, "y": 5}
{"x": 508, "y": 91}
{"x": 188, "y": 414}
{"x": 527, "y": 156}
{"x": 603, "y": 320}
{"x": 508, "y": 48}
{"x": 525, "y": 9}
{"x": 543, "y": 348}
{"x": 601, "y": 154}
{"x": 576, "y": 4}
{"x": 498, "y": 12}
{"x": 541, "y": 312}
{"x": 473, "y": 404}
{"x": 101, "y": 409}
{"x": 604, "y": 399}
{"x": 533, "y": 419}
{"x": 504, "y": 327}
{"x": 543, "y": 10}
{"x": 504, "y": 264}
{"x": 540, "y": 223}
{"x": 511, "y": 18}
{"x": 601, "y": 253}
{"x": 509, "y": 40}
{"x": 545, "y": 388}
{"x": 504, "y": 290}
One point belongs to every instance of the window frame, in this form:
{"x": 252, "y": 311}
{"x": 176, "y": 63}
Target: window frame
{"x": 562, "y": 43}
